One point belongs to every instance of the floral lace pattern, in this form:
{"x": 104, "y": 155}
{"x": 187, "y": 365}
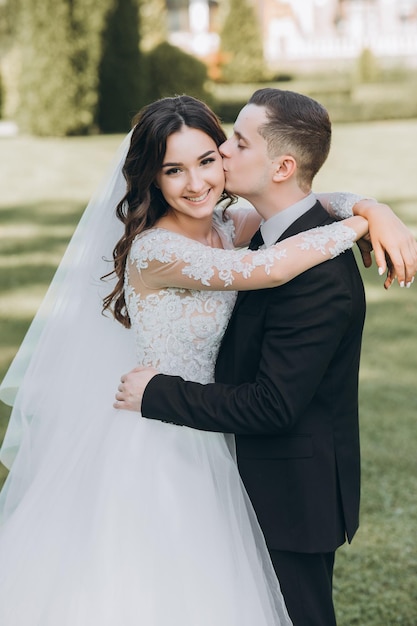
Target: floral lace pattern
{"x": 319, "y": 238}
{"x": 341, "y": 203}
{"x": 178, "y": 330}
{"x": 200, "y": 262}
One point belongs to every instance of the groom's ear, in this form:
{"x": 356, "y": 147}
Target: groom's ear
{"x": 285, "y": 168}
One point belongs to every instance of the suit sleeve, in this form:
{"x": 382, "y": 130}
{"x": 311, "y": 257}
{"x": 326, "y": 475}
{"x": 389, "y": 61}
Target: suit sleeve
{"x": 304, "y": 323}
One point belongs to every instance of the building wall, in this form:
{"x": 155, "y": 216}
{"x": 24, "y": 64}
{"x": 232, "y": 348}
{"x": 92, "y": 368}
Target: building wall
{"x": 307, "y": 29}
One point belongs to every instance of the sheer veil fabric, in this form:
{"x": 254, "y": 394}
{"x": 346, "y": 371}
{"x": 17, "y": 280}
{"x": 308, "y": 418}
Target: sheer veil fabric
{"x": 69, "y": 335}
{"x": 96, "y": 525}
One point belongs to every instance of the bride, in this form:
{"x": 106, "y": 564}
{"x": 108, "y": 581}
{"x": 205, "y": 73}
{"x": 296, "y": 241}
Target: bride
{"x": 107, "y": 519}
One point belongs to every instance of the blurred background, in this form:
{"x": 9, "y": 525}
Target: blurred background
{"x": 72, "y": 75}
{"x": 71, "y": 67}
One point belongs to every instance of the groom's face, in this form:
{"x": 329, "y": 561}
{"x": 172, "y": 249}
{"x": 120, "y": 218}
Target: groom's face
{"x": 247, "y": 165}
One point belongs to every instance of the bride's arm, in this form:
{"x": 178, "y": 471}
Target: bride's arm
{"x": 393, "y": 243}
{"x": 169, "y": 260}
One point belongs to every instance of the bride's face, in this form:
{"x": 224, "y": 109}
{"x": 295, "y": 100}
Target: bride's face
{"x": 191, "y": 178}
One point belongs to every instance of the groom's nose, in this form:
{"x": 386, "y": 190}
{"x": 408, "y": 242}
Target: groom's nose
{"x": 224, "y": 148}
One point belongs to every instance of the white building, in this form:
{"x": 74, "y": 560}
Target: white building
{"x": 296, "y": 30}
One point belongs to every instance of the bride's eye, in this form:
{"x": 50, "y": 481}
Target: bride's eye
{"x": 208, "y": 161}
{"x": 173, "y": 170}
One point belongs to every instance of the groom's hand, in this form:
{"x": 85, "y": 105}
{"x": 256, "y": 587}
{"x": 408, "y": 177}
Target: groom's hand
{"x": 365, "y": 247}
{"x": 132, "y": 387}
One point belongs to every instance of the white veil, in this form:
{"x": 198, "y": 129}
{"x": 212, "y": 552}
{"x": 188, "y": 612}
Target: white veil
{"x": 71, "y": 353}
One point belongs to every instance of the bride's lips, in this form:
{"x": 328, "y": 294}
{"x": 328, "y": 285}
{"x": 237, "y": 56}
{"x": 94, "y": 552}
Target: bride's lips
{"x": 197, "y": 199}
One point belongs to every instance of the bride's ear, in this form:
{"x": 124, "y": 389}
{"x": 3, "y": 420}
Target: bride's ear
{"x": 286, "y": 166}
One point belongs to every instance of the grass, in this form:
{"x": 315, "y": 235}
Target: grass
{"x": 45, "y": 184}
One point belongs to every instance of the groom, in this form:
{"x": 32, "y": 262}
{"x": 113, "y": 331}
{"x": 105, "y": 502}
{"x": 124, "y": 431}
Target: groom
{"x": 287, "y": 370}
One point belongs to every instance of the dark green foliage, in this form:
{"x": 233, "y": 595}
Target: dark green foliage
{"x": 1, "y": 97}
{"x": 241, "y": 44}
{"x": 173, "y": 72}
{"x": 60, "y": 48}
{"x": 228, "y": 110}
{"x": 121, "y": 73}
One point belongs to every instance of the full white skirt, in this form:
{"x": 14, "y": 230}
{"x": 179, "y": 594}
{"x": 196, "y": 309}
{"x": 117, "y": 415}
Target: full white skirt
{"x": 128, "y": 522}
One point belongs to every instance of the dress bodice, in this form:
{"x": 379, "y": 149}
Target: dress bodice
{"x": 176, "y": 330}
{"x": 179, "y": 331}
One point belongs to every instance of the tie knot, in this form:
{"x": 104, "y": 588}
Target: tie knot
{"x": 257, "y": 240}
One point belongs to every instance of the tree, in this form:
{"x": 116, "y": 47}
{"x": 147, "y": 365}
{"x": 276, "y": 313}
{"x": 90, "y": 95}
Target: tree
{"x": 60, "y": 47}
{"x": 241, "y": 48}
{"x": 121, "y": 72}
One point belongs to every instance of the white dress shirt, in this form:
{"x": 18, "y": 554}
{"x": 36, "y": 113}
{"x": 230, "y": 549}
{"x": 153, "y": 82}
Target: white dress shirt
{"x": 275, "y": 226}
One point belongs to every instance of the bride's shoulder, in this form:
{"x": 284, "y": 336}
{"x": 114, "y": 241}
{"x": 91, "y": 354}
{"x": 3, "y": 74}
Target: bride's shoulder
{"x": 160, "y": 244}
{"x": 157, "y": 235}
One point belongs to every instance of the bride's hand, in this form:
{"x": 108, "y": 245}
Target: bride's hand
{"x": 132, "y": 387}
{"x": 394, "y": 245}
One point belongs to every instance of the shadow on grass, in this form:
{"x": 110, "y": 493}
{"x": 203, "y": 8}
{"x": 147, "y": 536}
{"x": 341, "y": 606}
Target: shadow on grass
{"x": 39, "y": 231}
{"x": 50, "y": 213}
{"x": 26, "y": 275}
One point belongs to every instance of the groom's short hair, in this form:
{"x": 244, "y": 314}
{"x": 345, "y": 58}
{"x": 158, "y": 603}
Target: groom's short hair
{"x": 297, "y": 125}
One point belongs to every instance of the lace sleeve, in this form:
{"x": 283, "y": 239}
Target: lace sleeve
{"x": 339, "y": 204}
{"x": 166, "y": 259}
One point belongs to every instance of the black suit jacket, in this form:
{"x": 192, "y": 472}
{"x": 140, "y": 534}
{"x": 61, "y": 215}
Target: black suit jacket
{"x": 287, "y": 386}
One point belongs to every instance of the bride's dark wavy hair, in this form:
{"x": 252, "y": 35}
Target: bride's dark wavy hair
{"x": 143, "y": 203}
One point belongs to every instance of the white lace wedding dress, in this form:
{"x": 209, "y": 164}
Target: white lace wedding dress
{"x": 128, "y": 522}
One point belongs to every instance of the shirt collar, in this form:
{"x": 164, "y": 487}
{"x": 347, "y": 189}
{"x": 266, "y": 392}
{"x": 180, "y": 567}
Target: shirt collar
{"x": 275, "y": 226}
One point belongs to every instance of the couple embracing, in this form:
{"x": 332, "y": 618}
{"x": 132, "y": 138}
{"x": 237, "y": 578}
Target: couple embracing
{"x": 135, "y": 520}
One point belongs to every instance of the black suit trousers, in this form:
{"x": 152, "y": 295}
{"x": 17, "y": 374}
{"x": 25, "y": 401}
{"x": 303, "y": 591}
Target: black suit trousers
{"x": 306, "y": 584}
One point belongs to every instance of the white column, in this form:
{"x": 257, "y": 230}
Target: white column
{"x": 199, "y": 16}
{"x": 202, "y": 41}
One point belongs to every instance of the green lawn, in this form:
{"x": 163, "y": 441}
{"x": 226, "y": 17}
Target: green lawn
{"x": 44, "y": 186}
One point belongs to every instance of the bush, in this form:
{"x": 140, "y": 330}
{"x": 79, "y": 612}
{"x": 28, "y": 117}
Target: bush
{"x": 344, "y": 101}
{"x": 367, "y": 70}
{"x": 170, "y": 72}
{"x": 241, "y": 46}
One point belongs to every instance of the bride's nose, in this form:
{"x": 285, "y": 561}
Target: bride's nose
{"x": 195, "y": 181}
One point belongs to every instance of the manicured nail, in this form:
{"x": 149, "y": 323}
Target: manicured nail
{"x": 380, "y": 270}
{"x": 408, "y": 285}
{"x": 402, "y": 283}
